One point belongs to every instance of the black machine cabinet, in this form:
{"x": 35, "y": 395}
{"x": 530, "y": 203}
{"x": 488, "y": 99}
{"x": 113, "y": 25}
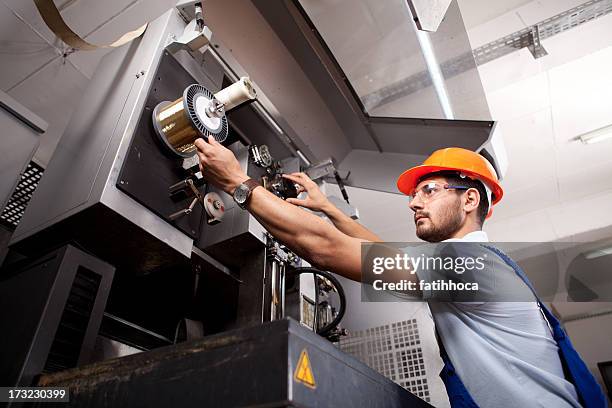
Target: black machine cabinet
{"x": 50, "y": 312}
{"x": 277, "y": 364}
{"x": 149, "y": 169}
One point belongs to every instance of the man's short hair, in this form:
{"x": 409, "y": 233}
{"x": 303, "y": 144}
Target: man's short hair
{"x": 453, "y": 178}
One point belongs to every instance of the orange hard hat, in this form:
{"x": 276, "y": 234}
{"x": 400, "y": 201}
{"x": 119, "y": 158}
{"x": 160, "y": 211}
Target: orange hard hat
{"x": 457, "y": 159}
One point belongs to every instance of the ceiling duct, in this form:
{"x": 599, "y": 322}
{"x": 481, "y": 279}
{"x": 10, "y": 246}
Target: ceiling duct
{"x": 355, "y": 53}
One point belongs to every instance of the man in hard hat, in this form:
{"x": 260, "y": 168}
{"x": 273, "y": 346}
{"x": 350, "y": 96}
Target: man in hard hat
{"x": 496, "y": 354}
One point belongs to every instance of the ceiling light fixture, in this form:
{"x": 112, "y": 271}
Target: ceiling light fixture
{"x": 597, "y": 135}
{"x": 437, "y": 78}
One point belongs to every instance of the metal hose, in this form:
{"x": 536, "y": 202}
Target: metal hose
{"x": 331, "y": 325}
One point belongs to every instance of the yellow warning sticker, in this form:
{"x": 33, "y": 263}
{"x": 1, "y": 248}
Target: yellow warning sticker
{"x": 303, "y": 371}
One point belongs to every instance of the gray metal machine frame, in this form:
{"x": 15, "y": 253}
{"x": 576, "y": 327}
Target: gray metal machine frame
{"x": 84, "y": 169}
{"x": 79, "y": 190}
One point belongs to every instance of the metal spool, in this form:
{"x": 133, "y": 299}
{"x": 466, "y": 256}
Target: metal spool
{"x": 178, "y": 124}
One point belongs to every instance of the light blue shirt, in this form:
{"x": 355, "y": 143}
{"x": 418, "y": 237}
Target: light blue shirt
{"x": 503, "y": 351}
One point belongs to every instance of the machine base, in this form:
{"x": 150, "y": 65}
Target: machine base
{"x": 256, "y": 366}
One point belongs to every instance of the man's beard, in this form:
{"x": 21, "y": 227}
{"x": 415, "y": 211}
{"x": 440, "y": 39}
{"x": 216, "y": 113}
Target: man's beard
{"x": 449, "y": 222}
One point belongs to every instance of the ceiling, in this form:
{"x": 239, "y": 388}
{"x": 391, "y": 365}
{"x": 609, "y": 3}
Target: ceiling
{"x": 477, "y": 12}
{"x": 555, "y": 187}
{"x": 340, "y": 61}
{"x": 34, "y": 69}
{"x": 376, "y": 45}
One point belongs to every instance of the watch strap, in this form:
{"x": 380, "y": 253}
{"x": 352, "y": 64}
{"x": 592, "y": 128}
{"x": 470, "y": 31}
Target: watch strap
{"x": 251, "y": 184}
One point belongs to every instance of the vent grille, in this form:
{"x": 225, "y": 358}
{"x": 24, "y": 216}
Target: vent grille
{"x": 12, "y": 213}
{"x": 68, "y": 340}
{"x": 394, "y": 350}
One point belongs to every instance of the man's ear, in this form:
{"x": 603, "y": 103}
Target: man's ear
{"x": 472, "y": 199}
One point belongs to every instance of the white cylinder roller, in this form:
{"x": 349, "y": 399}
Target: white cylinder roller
{"x": 237, "y": 93}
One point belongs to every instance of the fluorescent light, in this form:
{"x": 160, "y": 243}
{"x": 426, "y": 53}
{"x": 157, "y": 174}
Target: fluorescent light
{"x": 304, "y": 159}
{"x": 596, "y": 253}
{"x": 595, "y": 136}
{"x": 434, "y": 71}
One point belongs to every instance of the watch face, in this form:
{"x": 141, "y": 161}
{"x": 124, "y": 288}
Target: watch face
{"x": 241, "y": 194}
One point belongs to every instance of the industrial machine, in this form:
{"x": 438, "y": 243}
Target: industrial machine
{"x": 124, "y": 192}
{"x": 21, "y": 134}
{"x": 123, "y": 201}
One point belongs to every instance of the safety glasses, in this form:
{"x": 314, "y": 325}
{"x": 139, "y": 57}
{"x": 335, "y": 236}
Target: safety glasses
{"x": 430, "y": 190}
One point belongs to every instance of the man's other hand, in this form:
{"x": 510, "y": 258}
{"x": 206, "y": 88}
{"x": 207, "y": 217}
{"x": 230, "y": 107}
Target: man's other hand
{"x": 315, "y": 199}
{"x": 218, "y": 165}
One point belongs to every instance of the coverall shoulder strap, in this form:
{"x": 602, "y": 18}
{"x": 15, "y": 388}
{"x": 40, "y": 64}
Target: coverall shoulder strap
{"x": 589, "y": 391}
{"x": 458, "y": 395}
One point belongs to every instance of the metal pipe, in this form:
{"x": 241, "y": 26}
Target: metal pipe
{"x": 277, "y": 289}
{"x": 274, "y": 289}
{"x": 282, "y": 290}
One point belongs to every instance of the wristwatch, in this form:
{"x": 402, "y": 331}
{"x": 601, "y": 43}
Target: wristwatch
{"x": 242, "y": 193}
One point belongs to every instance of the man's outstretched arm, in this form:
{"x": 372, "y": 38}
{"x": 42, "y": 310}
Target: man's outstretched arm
{"x": 306, "y": 234}
{"x": 317, "y": 201}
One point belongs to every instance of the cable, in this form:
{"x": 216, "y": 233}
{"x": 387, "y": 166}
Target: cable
{"x": 331, "y": 325}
